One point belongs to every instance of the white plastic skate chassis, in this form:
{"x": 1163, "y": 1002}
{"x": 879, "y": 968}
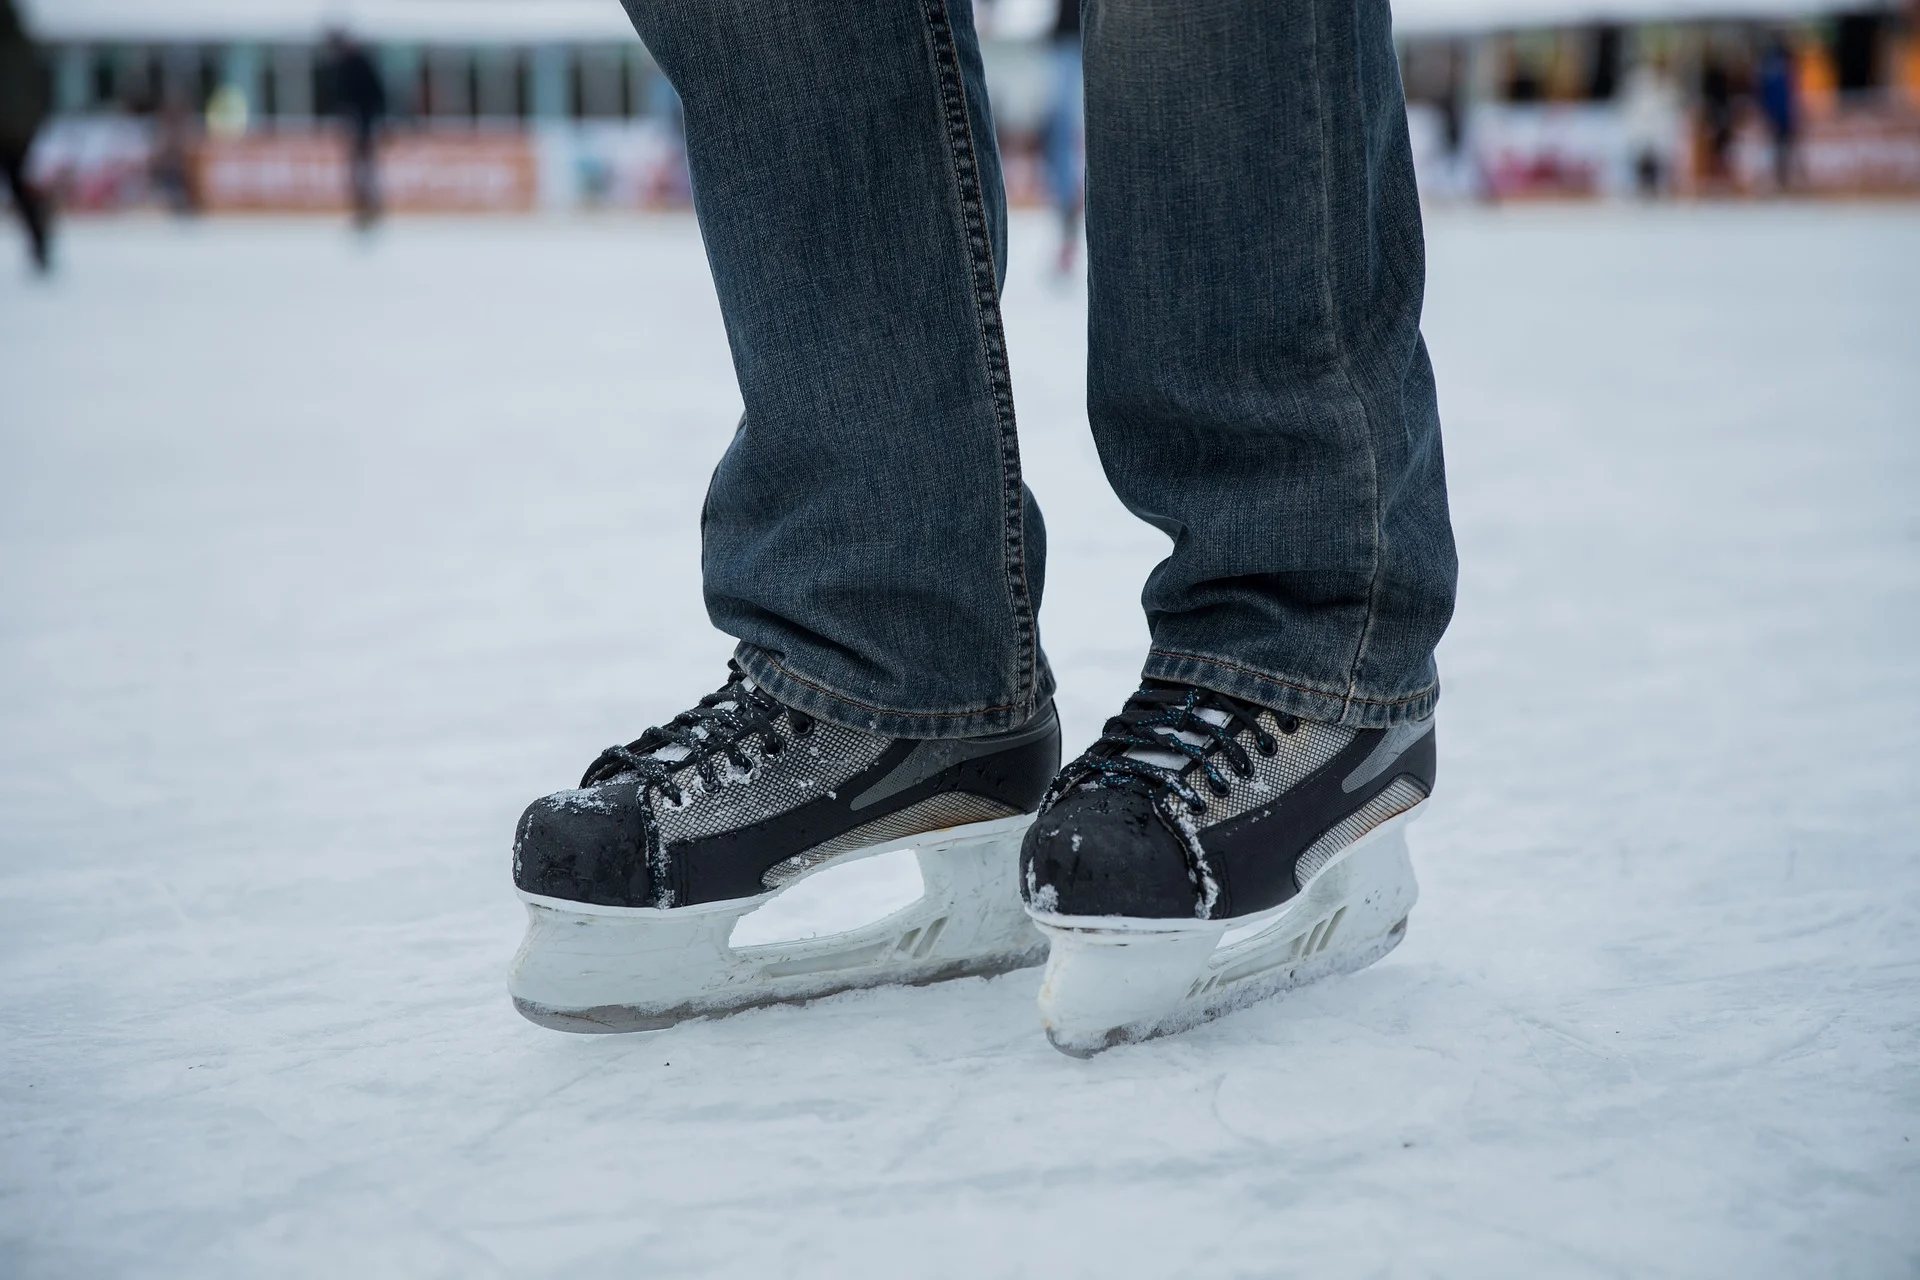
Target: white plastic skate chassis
{"x": 590, "y": 968}
{"x": 1115, "y": 979}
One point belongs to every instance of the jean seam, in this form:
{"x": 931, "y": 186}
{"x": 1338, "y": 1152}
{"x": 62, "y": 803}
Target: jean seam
{"x": 1350, "y": 696}
{"x": 838, "y": 696}
{"x": 966, "y": 176}
{"x": 1343, "y": 359}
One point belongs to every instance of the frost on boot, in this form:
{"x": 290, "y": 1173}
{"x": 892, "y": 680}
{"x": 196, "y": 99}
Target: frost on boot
{"x": 1207, "y": 852}
{"x": 635, "y": 879}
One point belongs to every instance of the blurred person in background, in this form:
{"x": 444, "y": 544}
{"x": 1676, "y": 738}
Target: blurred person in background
{"x": 359, "y": 97}
{"x": 1061, "y": 139}
{"x": 667, "y": 183}
{"x": 176, "y": 137}
{"x": 1652, "y": 118}
{"x": 23, "y": 106}
{"x": 1717, "y": 121}
{"x": 1258, "y": 390}
{"x": 1780, "y": 105}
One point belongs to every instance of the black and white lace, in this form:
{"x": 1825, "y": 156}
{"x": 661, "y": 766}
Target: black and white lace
{"x": 1174, "y": 741}
{"x": 702, "y": 739}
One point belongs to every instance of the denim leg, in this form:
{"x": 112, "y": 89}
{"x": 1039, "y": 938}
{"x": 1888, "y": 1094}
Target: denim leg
{"x": 867, "y": 536}
{"x": 1258, "y": 386}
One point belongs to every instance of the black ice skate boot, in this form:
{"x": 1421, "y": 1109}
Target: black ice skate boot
{"x": 1206, "y": 852}
{"x": 634, "y": 882}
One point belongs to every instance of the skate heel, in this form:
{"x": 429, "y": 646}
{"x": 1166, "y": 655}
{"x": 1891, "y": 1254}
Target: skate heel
{"x": 1115, "y": 980}
{"x": 605, "y": 969}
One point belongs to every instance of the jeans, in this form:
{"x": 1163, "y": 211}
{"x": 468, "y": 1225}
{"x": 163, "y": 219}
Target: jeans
{"x": 1258, "y": 387}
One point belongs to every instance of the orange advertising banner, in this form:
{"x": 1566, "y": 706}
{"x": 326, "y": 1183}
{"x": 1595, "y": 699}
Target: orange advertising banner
{"x": 418, "y": 172}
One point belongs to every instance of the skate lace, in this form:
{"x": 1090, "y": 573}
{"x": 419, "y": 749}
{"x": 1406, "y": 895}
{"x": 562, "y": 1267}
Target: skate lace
{"x": 706, "y": 735}
{"x": 1165, "y": 718}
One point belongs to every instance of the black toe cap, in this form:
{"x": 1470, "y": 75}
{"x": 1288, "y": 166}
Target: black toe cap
{"x": 1105, "y": 852}
{"x": 584, "y": 846}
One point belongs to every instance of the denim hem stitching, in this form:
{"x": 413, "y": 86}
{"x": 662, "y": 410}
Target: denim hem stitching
{"x": 966, "y": 176}
{"x": 761, "y": 655}
{"x": 1350, "y": 697}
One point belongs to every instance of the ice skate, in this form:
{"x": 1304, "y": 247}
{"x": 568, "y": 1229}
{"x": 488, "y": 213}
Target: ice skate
{"x": 634, "y": 881}
{"x": 1206, "y": 853}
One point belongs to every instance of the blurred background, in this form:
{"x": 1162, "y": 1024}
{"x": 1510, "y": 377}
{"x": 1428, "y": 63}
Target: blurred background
{"x": 217, "y": 105}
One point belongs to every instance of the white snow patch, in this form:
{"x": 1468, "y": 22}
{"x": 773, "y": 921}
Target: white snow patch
{"x": 835, "y": 900}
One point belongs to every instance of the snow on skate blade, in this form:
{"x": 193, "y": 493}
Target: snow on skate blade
{"x": 1115, "y": 980}
{"x": 601, "y": 969}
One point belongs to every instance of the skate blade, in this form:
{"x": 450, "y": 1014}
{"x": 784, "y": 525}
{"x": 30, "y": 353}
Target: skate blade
{"x": 594, "y": 969}
{"x": 1114, "y": 980}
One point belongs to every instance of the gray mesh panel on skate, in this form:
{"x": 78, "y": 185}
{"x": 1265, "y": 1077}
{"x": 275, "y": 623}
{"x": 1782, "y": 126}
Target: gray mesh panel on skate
{"x": 1300, "y": 753}
{"x": 931, "y": 814}
{"x": 1396, "y": 799}
{"x": 811, "y": 766}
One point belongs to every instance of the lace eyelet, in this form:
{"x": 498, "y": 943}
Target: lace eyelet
{"x": 1289, "y": 725}
{"x": 773, "y": 746}
{"x": 1265, "y": 745}
{"x": 1220, "y": 789}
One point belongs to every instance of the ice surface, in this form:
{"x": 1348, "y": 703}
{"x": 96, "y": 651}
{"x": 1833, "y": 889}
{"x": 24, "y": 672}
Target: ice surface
{"x": 318, "y": 560}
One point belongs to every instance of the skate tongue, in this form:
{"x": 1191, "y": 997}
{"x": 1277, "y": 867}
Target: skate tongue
{"x": 1172, "y": 759}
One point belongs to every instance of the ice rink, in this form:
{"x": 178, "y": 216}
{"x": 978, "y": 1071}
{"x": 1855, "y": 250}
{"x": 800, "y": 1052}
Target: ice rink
{"x": 319, "y": 559}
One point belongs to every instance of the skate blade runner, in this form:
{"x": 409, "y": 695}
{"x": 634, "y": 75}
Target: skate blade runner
{"x": 1257, "y": 389}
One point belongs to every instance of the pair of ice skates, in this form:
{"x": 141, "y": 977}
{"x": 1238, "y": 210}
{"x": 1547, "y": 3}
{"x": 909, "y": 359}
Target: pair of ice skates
{"x": 1203, "y": 854}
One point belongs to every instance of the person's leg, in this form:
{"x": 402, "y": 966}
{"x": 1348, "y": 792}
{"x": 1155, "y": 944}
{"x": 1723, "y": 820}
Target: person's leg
{"x": 1259, "y": 389}
{"x": 867, "y": 536}
{"x": 29, "y": 202}
{"x": 364, "y": 166}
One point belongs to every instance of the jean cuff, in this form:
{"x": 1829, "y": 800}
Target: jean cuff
{"x": 817, "y": 699}
{"x": 1353, "y": 709}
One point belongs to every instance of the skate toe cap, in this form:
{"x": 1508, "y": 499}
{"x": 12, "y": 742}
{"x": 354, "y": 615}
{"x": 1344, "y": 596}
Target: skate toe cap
{"x": 584, "y": 846}
{"x": 1105, "y": 852}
